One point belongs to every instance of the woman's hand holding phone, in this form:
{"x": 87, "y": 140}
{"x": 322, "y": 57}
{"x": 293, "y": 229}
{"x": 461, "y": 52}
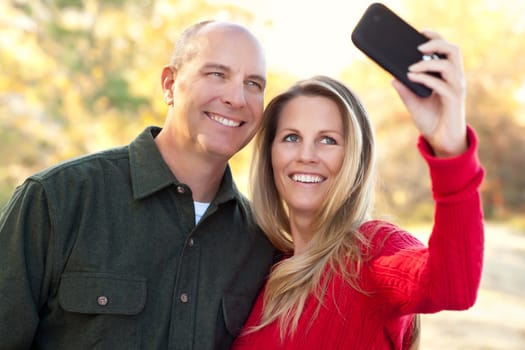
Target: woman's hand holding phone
{"x": 429, "y": 75}
{"x": 441, "y": 117}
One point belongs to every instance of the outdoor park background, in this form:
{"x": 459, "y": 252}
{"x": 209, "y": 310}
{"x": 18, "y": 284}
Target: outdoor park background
{"x": 77, "y": 76}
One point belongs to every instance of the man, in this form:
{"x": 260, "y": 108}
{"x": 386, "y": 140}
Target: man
{"x": 110, "y": 251}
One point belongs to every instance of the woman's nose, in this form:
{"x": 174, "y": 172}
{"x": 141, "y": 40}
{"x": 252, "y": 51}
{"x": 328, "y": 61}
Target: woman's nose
{"x": 308, "y": 152}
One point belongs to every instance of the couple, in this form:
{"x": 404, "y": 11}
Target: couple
{"x": 150, "y": 246}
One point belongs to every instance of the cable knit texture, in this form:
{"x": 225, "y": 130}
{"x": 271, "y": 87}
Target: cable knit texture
{"x": 404, "y": 276}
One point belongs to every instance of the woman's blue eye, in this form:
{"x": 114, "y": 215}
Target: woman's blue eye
{"x": 328, "y": 140}
{"x": 291, "y": 138}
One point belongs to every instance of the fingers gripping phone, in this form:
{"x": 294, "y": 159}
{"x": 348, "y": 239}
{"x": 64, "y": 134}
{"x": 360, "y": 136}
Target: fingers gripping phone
{"x": 392, "y": 43}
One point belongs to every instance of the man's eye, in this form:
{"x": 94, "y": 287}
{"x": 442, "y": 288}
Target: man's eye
{"x": 216, "y": 74}
{"x": 254, "y": 84}
{"x": 291, "y": 138}
{"x": 328, "y": 140}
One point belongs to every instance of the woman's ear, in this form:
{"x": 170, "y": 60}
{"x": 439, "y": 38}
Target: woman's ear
{"x": 167, "y": 79}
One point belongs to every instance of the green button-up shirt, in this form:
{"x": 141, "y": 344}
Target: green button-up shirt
{"x": 102, "y": 252}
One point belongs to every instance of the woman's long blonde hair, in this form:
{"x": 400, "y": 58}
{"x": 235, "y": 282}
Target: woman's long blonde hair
{"x": 337, "y": 246}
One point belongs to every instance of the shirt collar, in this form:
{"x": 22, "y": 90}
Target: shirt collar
{"x": 149, "y": 172}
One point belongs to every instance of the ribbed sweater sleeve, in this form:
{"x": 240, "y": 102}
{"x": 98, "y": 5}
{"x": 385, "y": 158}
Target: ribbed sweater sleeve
{"x": 457, "y": 240}
{"x": 447, "y": 273}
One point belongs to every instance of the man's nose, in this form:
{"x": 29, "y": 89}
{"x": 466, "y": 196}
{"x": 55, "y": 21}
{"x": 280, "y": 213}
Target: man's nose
{"x": 234, "y": 94}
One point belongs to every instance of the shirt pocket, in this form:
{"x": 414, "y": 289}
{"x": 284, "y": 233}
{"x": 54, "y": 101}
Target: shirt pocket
{"x": 104, "y": 307}
{"x": 236, "y": 309}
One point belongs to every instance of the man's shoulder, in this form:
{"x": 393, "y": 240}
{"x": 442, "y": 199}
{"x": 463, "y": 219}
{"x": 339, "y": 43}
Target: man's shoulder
{"x": 85, "y": 165}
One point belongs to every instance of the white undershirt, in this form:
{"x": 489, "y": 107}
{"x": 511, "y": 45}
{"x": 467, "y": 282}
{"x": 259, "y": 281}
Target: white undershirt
{"x": 200, "y": 209}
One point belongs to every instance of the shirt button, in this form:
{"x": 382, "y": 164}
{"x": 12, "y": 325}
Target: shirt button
{"x": 181, "y": 189}
{"x": 184, "y": 298}
{"x": 191, "y": 242}
{"x": 102, "y": 300}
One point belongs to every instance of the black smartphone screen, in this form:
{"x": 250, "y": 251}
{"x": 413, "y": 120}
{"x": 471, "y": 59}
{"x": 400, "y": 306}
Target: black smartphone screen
{"x": 390, "y": 42}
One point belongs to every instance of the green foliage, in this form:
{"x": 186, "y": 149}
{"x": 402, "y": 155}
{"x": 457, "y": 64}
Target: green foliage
{"x": 63, "y": 4}
{"x": 117, "y": 91}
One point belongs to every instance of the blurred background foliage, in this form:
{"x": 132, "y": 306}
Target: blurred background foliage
{"x": 77, "y": 76}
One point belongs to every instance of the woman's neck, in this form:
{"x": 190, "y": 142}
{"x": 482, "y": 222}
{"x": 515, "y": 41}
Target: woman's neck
{"x": 301, "y": 230}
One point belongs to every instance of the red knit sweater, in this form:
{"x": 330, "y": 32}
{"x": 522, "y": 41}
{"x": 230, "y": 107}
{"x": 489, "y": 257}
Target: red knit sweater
{"x": 404, "y": 276}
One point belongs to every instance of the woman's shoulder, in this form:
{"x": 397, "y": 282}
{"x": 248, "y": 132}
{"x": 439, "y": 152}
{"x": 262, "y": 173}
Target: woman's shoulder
{"x": 385, "y": 237}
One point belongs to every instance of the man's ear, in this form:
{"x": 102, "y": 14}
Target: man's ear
{"x": 167, "y": 79}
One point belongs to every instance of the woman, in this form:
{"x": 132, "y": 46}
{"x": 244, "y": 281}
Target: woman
{"x": 347, "y": 281}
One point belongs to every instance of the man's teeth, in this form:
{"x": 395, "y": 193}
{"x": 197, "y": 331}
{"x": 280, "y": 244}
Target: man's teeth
{"x": 307, "y": 178}
{"x": 224, "y": 121}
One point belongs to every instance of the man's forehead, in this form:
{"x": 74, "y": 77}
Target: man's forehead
{"x": 217, "y": 27}
{"x": 226, "y": 50}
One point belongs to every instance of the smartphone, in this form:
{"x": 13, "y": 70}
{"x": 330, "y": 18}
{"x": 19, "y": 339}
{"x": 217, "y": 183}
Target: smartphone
{"x": 392, "y": 43}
